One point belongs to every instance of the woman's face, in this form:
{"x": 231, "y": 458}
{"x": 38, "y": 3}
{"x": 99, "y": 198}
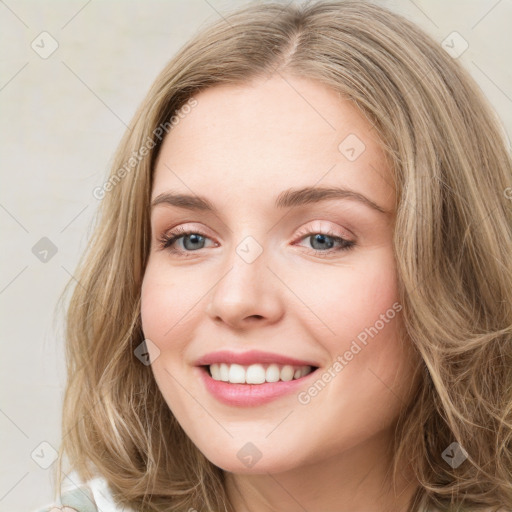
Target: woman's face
{"x": 307, "y": 275}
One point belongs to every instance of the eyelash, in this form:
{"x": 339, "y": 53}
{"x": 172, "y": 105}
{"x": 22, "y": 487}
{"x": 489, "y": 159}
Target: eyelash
{"x": 167, "y": 240}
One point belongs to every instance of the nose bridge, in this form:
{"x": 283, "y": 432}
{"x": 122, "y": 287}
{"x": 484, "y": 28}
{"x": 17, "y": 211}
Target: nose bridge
{"x": 245, "y": 269}
{"x": 245, "y": 290}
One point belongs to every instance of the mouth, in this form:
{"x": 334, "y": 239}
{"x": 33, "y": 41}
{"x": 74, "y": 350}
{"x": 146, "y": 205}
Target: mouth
{"x": 257, "y": 373}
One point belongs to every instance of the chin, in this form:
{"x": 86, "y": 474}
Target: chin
{"x": 248, "y": 459}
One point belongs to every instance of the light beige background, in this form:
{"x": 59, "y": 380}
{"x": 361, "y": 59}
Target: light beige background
{"x": 61, "y": 120}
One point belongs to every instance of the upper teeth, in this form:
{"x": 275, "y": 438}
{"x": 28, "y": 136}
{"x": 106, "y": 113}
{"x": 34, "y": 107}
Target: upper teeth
{"x": 257, "y": 373}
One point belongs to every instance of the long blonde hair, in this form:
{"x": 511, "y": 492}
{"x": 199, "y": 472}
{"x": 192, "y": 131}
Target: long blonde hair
{"x": 452, "y": 242}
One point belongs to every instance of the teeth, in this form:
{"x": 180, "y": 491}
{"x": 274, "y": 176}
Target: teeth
{"x": 273, "y": 373}
{"x": 224, "y": 372}
{"x": 257, "y": 373}
{"x": 236, "y": 374}
{"x": 287, "y": 372}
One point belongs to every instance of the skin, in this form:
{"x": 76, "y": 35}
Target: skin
{"x": 240, "y": 147}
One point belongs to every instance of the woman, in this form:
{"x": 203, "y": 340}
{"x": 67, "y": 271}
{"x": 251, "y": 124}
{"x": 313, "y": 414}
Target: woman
{"x": 298, "y": 293}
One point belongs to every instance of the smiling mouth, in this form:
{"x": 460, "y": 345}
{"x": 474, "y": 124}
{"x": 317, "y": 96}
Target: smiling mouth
{"x": 256, "y": 373}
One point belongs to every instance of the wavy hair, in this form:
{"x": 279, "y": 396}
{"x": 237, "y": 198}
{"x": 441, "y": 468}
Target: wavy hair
{"x": 452, "y": 242}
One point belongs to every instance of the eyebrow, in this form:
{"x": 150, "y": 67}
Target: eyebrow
{"x": 291, "y": 198}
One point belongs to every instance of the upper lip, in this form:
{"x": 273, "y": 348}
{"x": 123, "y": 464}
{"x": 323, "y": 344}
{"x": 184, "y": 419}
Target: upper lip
{"x": 250, "y": 357}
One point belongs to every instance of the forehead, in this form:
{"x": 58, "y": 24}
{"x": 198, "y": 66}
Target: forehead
{"x": 257, "y": 139}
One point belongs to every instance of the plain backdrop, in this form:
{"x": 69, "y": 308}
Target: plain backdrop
{"x": 63, "y": 111}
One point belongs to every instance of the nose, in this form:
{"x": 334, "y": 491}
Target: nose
{"x": 248, "y": 294}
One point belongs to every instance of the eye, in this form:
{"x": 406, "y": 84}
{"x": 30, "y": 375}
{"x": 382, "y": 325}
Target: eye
{"x": 194, "y": 240}
{"x": 323, "y": 242}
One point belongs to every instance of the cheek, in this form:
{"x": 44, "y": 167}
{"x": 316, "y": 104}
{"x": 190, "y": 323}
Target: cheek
{"x": 167, "y": 301}
{"x": 365, "y": 316}
{"x": 153, "y": 306}
{"x": 351, "y": 298}
{"x": 371, "y": 294}
{"x": 160, "y": 314}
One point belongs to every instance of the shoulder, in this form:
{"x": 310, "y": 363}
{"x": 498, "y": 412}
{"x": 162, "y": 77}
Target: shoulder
{"x": 79, "y": 499}
{"x": 91, "y": 496}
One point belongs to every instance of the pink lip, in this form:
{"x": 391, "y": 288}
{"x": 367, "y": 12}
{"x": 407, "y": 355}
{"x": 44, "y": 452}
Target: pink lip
{"x": 247, "y": 395}
{"x": 250, "y": 357}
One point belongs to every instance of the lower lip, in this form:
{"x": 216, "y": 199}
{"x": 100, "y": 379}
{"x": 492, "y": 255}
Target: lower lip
{"x": 250, "y": 394}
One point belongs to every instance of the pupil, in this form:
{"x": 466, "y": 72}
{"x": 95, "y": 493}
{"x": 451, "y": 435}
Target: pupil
{"x": 194, "y": 238}
{"x": 322, "y": 238}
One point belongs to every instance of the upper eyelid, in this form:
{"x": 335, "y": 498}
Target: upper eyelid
{"x": 328, "y": 211}
{"x": 181, "y": 231}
